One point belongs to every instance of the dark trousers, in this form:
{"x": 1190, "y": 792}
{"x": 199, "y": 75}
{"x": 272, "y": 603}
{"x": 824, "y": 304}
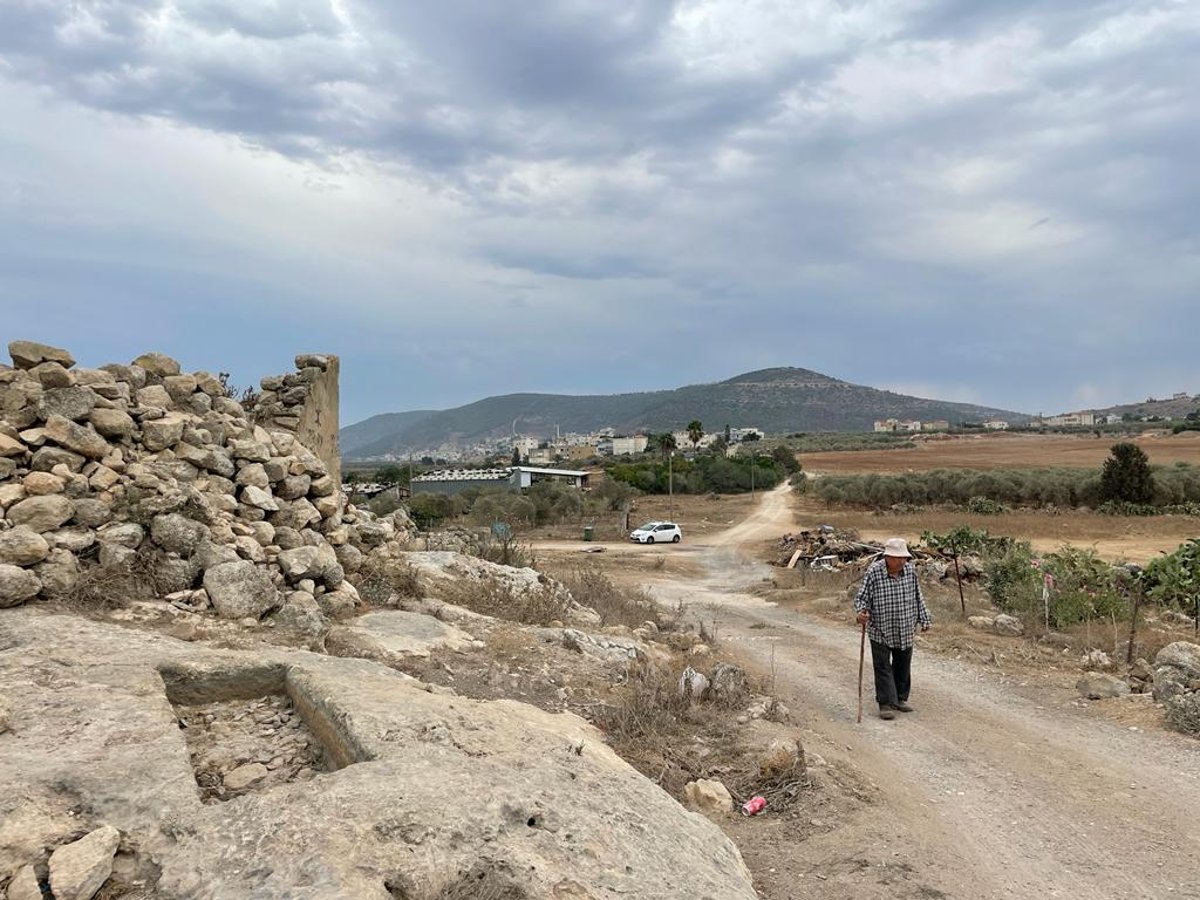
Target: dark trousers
{"x": 893, "y": 673}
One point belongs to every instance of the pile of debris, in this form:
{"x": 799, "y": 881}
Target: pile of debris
{"x": 831, "y": 549}
{"x": 825, "y": 547}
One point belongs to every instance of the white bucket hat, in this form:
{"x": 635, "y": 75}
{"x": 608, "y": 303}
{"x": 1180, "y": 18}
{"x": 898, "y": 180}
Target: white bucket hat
{"x": 896, "y": 547}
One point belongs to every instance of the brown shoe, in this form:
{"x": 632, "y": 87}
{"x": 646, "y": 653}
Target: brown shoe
{"x": 902, "y": 706}
{"x": 886, "y": 712}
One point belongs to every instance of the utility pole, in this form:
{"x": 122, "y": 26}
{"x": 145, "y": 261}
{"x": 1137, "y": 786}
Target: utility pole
{"x": 671, "y": 485}
{"x": 753, "y": 459}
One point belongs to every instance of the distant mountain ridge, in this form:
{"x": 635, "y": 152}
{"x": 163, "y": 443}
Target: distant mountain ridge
{"x": 777, "y": 400}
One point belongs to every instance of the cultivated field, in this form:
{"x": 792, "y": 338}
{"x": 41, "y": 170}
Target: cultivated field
{"x": 1128, "y": 538}
{"x": 1000, "y": 451}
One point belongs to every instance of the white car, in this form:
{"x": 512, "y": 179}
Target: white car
{"x": 657, "y": 533}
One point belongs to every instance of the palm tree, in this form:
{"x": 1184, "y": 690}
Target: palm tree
{"x": 666, "y": 444}
{"x": 695, "y": 431}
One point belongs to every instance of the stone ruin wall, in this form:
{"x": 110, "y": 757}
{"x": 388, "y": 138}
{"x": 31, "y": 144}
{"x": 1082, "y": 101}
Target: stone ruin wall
{"x": 235, "y": 509}
{"x": 305, "y": 403}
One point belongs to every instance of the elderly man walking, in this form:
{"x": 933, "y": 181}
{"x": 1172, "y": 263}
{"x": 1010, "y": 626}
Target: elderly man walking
{"x": 890, "y": 604}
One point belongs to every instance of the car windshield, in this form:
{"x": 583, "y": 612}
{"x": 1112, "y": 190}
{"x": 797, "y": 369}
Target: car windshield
{"x": 649, "y": 526}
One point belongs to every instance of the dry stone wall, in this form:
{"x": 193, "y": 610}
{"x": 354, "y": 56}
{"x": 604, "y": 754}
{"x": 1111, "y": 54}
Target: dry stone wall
{"x": 305, "y": 403}
{"x": 144, "y": 468}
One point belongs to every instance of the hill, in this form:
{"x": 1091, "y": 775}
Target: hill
{"x": 389, "y": 426}
{"x": 776, "y": 400}
{"x": 1177, "y": 407}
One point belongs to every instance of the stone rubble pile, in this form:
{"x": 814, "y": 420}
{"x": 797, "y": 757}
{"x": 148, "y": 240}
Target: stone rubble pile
{"x": 239, "y": 745}
{"x": 143, "y": 463}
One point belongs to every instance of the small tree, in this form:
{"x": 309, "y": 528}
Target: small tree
{"x": 516, "y": 456}
{"x": 391, "y": 475}
{"x": 1126, "y": 476}
{"x": 667, "y": 444}
{"x": 695, "y": 431}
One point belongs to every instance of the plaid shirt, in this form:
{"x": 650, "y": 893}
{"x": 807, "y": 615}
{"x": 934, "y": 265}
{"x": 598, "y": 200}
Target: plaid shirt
{"x": 895, "y": 604}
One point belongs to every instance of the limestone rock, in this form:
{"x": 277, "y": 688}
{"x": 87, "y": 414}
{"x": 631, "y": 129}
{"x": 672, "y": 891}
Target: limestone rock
{"x": 48, "y": 458}
{"x": 59, "y": 573}
{"x": 341, "y": 602}
{"x": 22, "y": 546}
{"x": 1008, "y": 625}
{"x": 42, "y": 514}
{"x": 76, "y": 540}
{"x": 301, "y": 613}
{"x": 10, "y": 447}
{"x": 75, "y": 403}
{"x": 159, "y": 434}
{"x": 114, "y": 424}
{"x": 709, "y": 797}
{"x": 25, "y": 885}
{"x": 157, "y": 364}
{"x": 41, "y": 484}
{"x": 393, "y": 636}
{"x": 17, "y": 585}
{"x": 253, "y": 475}
{"x": 1096, "y": 661}
{"x": 981, "y": 623}
{"x": 400, "y": 752}
{"x": 124, "y": 534}
{"x": 240, "y": 589}
{"x": 309, "y": 562}
{"x": 1098, "y": 686}
{"x": 10, "y": 494}
{"x": 260, "y": 498}
{"x": 79, "y": 439}
{"x": 27, "y": 354}
{"x": 176, "y": 533}
{"x": 180, "y": 387}
{"x": 1182, "y": 655}
{"x": 79, "y": 870}
{"x": 244, "y": 777}
{"x": 52, "y": 376}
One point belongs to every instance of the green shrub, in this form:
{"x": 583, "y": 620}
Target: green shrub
{"x": 1012, "y": 580}
{"x": 1176, "y": 489}
{"x": 984, "y": 506}
{"x": 1174, "y": 580}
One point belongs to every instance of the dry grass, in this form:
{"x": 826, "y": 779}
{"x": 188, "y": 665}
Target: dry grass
{"x": 381, "y": 582}
{"x": 1001, "y": 451}
{"x": 499, "y": 599}
{"x": 114, "y": 585}
{"x": 1183, "y": 713}
{"x": 631, "y": 607}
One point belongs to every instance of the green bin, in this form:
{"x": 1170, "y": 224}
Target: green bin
{"x": 588, "y": 532}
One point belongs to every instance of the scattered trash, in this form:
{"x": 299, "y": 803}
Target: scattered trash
{"x": 754, "y": 806}
{"x": 592, "y": 549}
{"x": 692, "y": 684}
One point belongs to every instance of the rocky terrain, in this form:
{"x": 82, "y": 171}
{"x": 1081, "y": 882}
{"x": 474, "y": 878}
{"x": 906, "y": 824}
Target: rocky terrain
{"x": 201, "y": 692}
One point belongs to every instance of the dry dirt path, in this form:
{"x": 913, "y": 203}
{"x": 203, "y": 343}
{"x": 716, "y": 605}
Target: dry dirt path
{"x": 991, "y": 789}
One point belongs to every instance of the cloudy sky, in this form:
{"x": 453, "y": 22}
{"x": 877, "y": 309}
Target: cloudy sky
{"x": 982, "y": 200}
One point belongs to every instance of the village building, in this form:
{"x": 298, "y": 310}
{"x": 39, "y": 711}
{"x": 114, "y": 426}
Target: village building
{"x": 454, "y": 481}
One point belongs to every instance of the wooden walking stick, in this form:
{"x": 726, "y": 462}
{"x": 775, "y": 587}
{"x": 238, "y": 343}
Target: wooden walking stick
{"x": 862, "y": 651}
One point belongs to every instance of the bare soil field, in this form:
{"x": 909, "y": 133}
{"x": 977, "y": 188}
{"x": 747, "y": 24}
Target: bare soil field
{"x": 1118, "y": 538}
{"x": 1000, "y": 451}
{"x": 697, "y": 514}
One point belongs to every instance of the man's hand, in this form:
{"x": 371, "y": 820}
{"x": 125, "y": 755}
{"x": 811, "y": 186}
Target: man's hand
{"x": 863, "y": 617}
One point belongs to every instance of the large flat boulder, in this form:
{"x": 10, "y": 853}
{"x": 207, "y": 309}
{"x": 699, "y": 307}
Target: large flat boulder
{"x": 392, "y": 636}
{"x": 430, "y": 793}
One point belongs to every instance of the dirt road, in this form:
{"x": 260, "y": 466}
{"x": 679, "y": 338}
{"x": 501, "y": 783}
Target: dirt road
{"x": 993, "y": 788}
